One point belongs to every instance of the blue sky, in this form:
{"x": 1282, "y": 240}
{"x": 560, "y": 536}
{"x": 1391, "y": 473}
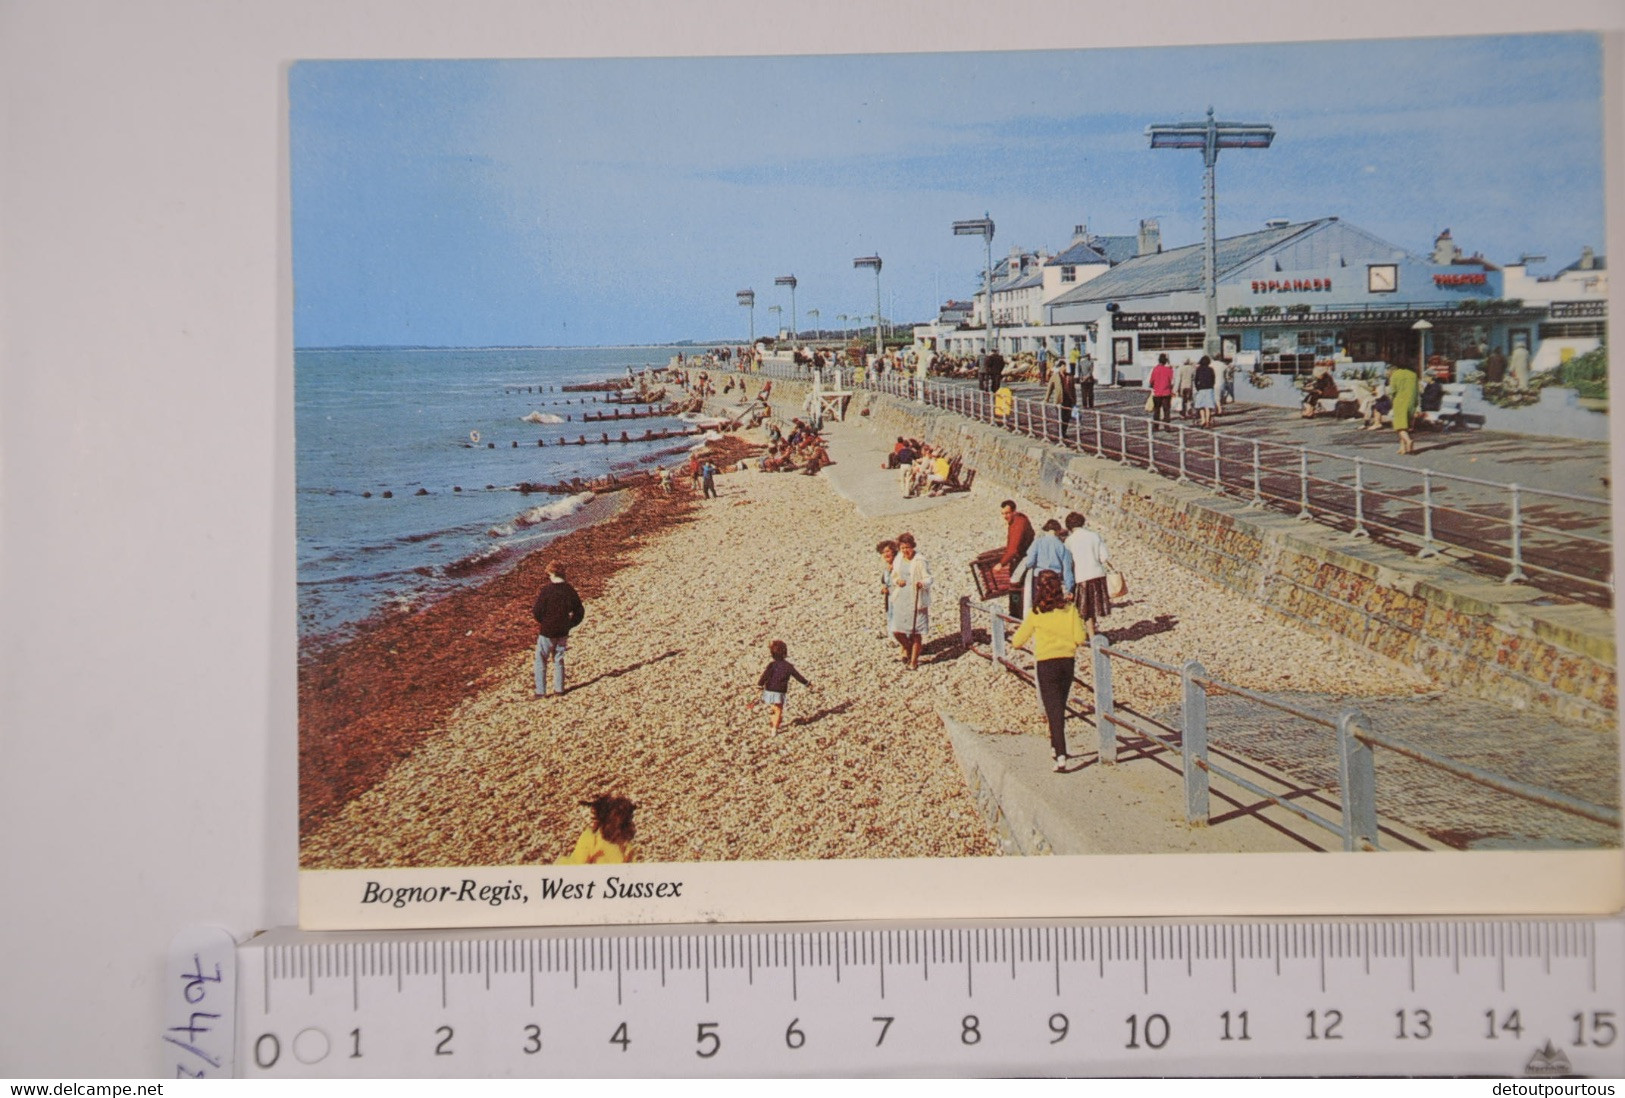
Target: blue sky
{"x": 625, "y": 201}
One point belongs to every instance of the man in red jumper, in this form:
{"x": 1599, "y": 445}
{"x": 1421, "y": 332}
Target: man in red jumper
{"x": 1017, "y": 540}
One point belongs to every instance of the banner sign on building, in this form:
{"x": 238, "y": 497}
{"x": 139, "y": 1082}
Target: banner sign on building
{"x": 1156, "y": 322}
{"x": 1571, "y": 310}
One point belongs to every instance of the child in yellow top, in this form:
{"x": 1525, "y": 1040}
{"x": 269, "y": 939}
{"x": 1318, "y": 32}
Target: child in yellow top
{"x": 608, "y": 839}
{"x": 1057, "y": 631}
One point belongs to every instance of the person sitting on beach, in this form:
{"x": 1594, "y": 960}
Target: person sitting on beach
{"x": 663, "y": 478}
{"x": 608, "y": 838}
{"x": 775, "y": 682}
{"x": 819, "y": 459}
{"x": 937, "y": 479}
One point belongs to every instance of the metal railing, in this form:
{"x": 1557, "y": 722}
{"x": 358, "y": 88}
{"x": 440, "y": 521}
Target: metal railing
{"x": 1356, "y": 737}
{"x": 1500, "y": 533}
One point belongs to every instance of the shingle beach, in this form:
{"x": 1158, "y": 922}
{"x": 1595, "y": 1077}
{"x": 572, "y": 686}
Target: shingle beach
{"x": 422, "y": 745}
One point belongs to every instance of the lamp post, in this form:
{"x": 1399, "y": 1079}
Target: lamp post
{"x": 778, "y": 321}
{"x": 874, "y": 261}
{"x": 1421, "y": 328}
{"x": 814, "y": 314}
{"x": 982, "y": 227}
{"x": 790, "y": 281}
{"x": 748, "y": 297}
{"x": 1210, "y": 137}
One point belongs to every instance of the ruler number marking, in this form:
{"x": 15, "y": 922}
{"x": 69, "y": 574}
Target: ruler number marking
{"x": 261, "y": 1060}
{"x": 1512, "y": 1024}
{"x": 1241, "y": 1033}
{"x": 1332, "y": 1019}
{"x": 793, "y": 1037}
{"x": 619, "y": 1037}
{"x": 443, "y": 1048}
{"x": 355, "y": 1043}
{"x": 1156, "y": 1031}
{"x": 885, "y": 1024}
{"x": 1413, "y": 1024}
{"x": 1601, "y": 1021}
{"x": 970, "y": 1030}
{"x": 707, "y": 1031}
{"x": 533, "y": 1040}
{"x": 1060, "y": 1026}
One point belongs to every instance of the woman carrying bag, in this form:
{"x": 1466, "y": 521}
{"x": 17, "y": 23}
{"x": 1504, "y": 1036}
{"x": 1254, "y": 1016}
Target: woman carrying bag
{"x": 1090, "y": 570}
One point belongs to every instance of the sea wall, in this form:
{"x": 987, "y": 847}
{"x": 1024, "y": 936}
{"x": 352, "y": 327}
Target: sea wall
{"x": 1508, "y": 643}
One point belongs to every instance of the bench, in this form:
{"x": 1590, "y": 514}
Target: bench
{"x": 959, "y": 479}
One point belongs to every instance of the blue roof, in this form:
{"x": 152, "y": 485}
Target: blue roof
{"x": 1116, "y": 249}
{"x": 1080, "y": 253}
{"x": 1034, "y": 277}
{"x": 1181, "y": 269}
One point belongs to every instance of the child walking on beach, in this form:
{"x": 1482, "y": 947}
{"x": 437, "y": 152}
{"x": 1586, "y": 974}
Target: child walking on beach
{"x": 776, "y": 680}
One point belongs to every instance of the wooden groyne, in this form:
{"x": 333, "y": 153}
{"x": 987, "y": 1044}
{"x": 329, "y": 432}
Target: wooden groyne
{"x": 598, "y": 417}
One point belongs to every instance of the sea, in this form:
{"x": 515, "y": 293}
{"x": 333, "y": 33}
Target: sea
{"x": 435, "y": 429}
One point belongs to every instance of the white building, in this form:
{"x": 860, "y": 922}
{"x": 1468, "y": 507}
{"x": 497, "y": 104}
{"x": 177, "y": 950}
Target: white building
{"x": 1575, "y": 300}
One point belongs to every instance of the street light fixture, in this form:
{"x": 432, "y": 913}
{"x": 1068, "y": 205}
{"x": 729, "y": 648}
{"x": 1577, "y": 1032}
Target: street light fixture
{"x": 982, "y": 227}
{"x": 790, "y": 281}
{"x": 874, "y": 261}
{"x": 778, "y": 321}
{"x": 748, "y": 297}
{"x": 1421, "y": 328}
{"x": 814, "y": 314}
{"x": 1210, "y": 137}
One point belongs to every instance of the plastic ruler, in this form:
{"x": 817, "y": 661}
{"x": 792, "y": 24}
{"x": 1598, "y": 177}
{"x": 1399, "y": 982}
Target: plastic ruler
{"x": 1515, "y": 998}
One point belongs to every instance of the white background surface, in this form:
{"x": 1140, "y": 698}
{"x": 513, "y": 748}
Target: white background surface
{"x": 146, "y": 428}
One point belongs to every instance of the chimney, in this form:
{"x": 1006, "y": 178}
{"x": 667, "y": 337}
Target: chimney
{"x": 1588, "y": 259}
{"x": 1080, "y": 233}
{"x": 1150, "y": 237}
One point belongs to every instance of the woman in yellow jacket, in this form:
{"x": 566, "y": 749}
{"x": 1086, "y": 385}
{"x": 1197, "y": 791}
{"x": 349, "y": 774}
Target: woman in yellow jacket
{"x": 1057, "y": 632}
{"x": 608, "y": 839}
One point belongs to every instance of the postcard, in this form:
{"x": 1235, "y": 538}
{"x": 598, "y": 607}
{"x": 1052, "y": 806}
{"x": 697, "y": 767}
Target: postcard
{"x": 1157, "y": 481}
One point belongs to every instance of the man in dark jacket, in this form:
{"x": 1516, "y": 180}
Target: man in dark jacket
{"x": 557, "y": 610}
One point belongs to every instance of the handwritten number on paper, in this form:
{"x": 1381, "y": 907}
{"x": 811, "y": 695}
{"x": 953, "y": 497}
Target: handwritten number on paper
{"x": 196, "y": 979}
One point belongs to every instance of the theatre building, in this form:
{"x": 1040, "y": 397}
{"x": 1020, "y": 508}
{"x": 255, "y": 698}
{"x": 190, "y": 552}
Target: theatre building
{"x": 1291, "y": 296}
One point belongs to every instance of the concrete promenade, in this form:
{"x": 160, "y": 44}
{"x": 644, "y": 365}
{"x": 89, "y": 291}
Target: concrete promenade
{"x": 1564, "y": 545}
{"x": 1139, "y": 803}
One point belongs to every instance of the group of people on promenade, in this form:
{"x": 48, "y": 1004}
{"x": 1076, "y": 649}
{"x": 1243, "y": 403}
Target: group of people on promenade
{"x": 1402, "y": 399}
{"x": 1195, "y": 383}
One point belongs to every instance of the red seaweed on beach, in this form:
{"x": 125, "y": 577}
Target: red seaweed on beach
{"x": 365, "y": 703}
